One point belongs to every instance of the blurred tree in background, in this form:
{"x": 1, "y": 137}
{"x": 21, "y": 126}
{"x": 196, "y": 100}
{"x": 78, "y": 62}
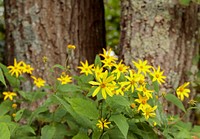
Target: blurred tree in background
{"x": 112, "y": 20}
{"x": 2, "y": 30}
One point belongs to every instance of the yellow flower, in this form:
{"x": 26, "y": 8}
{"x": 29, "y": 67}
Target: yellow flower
{"x": 98, "y": 71}
{"x": 108, "y": 55}
{"x": 142, "y": 101}
{"x": 85, "y": 68}
{"x": 71, "y": 46}
{"x": 16, "y": 69}
{"x": 14, "y": 105}
{"x": 44, "y": 59}
{"x": 192, "y": 102}
{"x": 142, "y": 66}
{"x": 14, "y": 115}
{"x": 64, "y": 78}
{"x": 148, "y": 111}
{"x": 109, "y": 59}
{"x": 158, "y": 75}
{"x": 26, "y": 68}
{"x": 132, "y": 81}
{"x": 141, "y": 79}
{"x": 39, "y": 82}
{"x": 102, "y": 123}
{"x": 154, "y": 123}
{"x": 121, "y": 89}
{"x": 133, "y": 105}
{"x": 9, "y": 95}
{"x": 145, "y": 91}
{"x": 105, "y": 85}
{"x": 120, "y": 68}
{"x": 181, "y": 91}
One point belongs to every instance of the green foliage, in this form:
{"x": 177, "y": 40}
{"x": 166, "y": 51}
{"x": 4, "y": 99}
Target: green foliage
{"x": 4, "y": 131}
{"x": 176, "y": 101}
{"x": 121, "y": 123}
{"x": 48, "y": 132}
{"x": 187, "y": 2}
{"x": 71, "y": 110}
{"x": 184, "y": 2}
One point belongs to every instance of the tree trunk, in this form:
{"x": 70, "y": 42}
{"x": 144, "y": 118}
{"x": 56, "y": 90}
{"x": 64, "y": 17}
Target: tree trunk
{"x": 35, "y": 29}
{"x": 164, "y": 33}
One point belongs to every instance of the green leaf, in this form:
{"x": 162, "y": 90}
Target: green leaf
{"x": 60, "y": 132}
{"x": 14, "y": 82}
{"x": 195, "y": 59}
{"x": 37, "y": 95}
{"x": 2, "y": 77}
{"x": 5, "y": 118}
{"x": 118, "y": 100}
{"x": 184, "y": 2}
{"x": 4, "y": 131}
{"x": 68, "y": 88}
{"x": 59, "y": 66}
{"x": 184, "y": 129}
{"x": 97, "y": 61}
{"x": 195, "y": 131}
{"x": 19, "y": 115}
{"x": 5, "y": 107}
{"x": 156, "y": 86}
{"x": 81, "y": 135}
{"x": 12, "y": 127}
{"x": 24, "y": 130}
{"x": 96, "y": 134}
{"x": 114, "y": 133}
{"x": 37, "y": 112}
{"x": 84, "y": 107}
{"x": 48, "y": 132}
{"x": 121, "y": 123}
{"x": 172, "y": 98}
{"x": 83, "y": 121}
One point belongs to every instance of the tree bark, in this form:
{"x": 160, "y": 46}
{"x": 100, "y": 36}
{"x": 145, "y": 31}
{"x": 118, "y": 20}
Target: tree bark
{"x": 35, "y": 29}
{"x": 164, "y": 33}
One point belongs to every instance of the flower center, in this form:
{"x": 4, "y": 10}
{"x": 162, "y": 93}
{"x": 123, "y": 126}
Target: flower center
{"x": 103, "y": 85}
{"x": 143, "y": 101}
{"x": 132, "y": 82}
{"x": 157, "y": 75}
{"x": 120, "y": 68}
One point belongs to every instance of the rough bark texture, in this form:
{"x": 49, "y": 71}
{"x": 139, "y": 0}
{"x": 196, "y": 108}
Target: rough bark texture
{"x": 43, "y": 28}
{"x": 164, "y": 33}
{"x": 38, "y": 28}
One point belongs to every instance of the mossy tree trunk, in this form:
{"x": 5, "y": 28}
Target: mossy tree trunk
{"x": 35, "y": 29}
{"x": 164, "y": 33}
{"x": 43, "y": 28}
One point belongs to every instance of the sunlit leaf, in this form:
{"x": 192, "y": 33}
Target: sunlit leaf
{"x": 19, "y": 115}
{"x": 4, "y": 131}
{"x": 5, "y": 107}
{"x": 81, "y": 135}
{"x": 184, "y": 2}
{"x": 2, "y": 77}
{"x": 84, "y": 107}
{"x": 172, "y": 98}
{"x": 97, "y": 61}
{"x": 121, "y": 123}
{"x": 48, "y": 132}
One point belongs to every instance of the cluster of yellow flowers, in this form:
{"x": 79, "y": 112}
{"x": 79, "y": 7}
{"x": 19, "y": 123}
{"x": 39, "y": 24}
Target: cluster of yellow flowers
{"x": 18, "y": 68}
{"x": 111, "y": 77}
{"x": 116, "y": 78}
{"x": 21, "y": 67}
